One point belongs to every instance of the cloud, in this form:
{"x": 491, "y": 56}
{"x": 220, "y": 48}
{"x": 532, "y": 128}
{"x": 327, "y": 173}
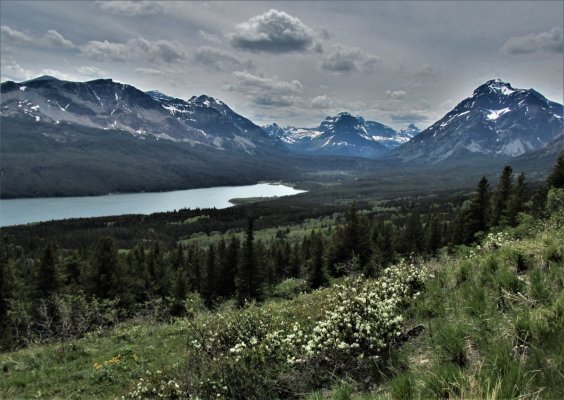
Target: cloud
{"x": 209, "y": 36}
{"x": 56, "y": 39}
{"x": 408, "y": 117}
{"x": 149, "y": 71}
{"x": 90, "y": 71}
{"x": 11, "y": 70}
{"x": 321, "y": 103}
{"x": 52, "y": 38}
{"x": 266, "y": 92}
{"x": 272, "y": 32}
{"x": 14, "y": 36}
{"x": 396, "y": 94}
{"x": 219, "y": 59}
{"x": 133, "y": 8}
{"x": 139, "y": 48}
{"x": 550, "y": 42}
{"x": 345, "y": 61}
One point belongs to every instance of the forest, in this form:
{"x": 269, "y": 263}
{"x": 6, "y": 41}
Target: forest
{"x": 62, "y": 280}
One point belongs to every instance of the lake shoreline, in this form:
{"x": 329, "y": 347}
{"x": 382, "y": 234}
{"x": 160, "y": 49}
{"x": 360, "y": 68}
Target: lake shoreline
{"x": 43, "y": 209}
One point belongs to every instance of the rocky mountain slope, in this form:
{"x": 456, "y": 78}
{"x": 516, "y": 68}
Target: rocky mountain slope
{"x": 497, "y": 121}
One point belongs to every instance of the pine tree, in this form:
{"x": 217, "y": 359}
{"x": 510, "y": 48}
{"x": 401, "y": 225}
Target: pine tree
{"x": 247, "y": 279}
{"x": 317, "y": 277}
{"x": 106, "y": 269}
{"x": 209, "y": 288}
{"x": 516, "y": 201}
{"x": 501, "y": 198}
{"x": 556, "y": 177}
{"x": 478, "y": 213}
{"x": 433, "y": 234}
{"x": 413, "y": 235}
{"x": 47, "y": 277}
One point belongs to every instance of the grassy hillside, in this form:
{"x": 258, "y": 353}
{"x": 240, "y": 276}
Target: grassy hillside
{"x": 483, "y": 322}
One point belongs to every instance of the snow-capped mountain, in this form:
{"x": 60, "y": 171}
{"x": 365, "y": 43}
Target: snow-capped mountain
{"x": 497, "y": 120}
{"x": 107, "y": 105}
{"x": 343, "y": 134}
{"x": 85, "y": 138}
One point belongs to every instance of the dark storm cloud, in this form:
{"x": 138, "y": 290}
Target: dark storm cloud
{"x": 346, "y": 61}
{"x": 272, "y": 32}
{"x": 544, "y": 42}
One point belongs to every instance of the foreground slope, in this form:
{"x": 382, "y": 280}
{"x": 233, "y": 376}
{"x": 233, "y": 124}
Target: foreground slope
{"x": 483, "y": 323}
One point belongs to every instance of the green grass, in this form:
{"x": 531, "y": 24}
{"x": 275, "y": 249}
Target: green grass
{"x": 492, "y": 330}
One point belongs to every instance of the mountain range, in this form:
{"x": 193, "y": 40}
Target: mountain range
{"x": 80, "y": 138}
{"x": 343, "y": 134}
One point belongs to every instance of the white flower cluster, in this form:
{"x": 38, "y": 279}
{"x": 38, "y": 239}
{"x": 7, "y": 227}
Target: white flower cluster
{"x": 365, "y": 316}
{"x": 495, "y": 241}
{"x": 155, "y": 386}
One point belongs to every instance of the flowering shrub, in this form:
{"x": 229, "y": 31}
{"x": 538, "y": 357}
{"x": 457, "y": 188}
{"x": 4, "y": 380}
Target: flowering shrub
{"x": 243, "y": 354}
{"x": 495, "y": 241}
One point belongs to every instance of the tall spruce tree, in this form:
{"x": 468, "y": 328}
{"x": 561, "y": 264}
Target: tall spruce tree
{"x": 516, "y": 200}
{"x": 556, "y": 177}
{"x": 106, "y": 269}
{"x": 317, "y": 277}
{"x": 501, "y": 198}
{"x": 247, "y": 281}
{"x": 47, "y": 276}
{"x": 478, "y": 213}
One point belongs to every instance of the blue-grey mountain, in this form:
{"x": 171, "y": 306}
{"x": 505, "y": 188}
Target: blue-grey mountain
{"x": 345, "y": 135}
{"x": 496, "y": 121}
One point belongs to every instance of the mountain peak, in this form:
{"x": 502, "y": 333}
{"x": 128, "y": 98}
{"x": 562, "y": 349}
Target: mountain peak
{"x": 42, "y": 78}
{"x": 497, "y": 86}
{"x": 204, "y": 99}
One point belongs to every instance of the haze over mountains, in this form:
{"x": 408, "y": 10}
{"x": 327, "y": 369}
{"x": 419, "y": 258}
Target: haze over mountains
{"x": 119, "y": 138}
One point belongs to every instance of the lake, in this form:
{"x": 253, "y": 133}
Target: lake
{"x": 23, "y": 211}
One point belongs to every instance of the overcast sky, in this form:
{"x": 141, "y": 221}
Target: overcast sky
{"x": 294, "y": 62}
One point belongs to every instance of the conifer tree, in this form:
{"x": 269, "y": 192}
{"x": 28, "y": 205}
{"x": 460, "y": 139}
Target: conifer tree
{"x": 317, "y": 277}
{"x": 209, "y": 288}
{"x": 47, "y": 278}
{"x": 106, "y": 269}
{"x": 516, "y": 201}
{"x": 246, "y": 279}
{"x": 413, "y": 235}
{"x": 501, "y": 198}
{"x": 432, "y": 234}
{"x": 556, "y": 177}
{"x": 478, "y": 213}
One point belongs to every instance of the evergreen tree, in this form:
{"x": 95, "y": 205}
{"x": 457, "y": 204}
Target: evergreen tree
{"x": 209, "y": 288}
{"x": 317, "y": 277}
{"x": 106, "y": 278}
{"x": 47, "y": 277}
{"x": 246, "y": 279}
{"x": 413, "y": 235}
{"x": 501, "y": 198}
{"x": 478, "y": 212}
{"x": 433, "y": 235}
{"x": 556, "y": 177}
{"x": 517, "y": 200}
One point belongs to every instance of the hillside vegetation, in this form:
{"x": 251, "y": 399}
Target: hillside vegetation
{"x": 484, "y": 322}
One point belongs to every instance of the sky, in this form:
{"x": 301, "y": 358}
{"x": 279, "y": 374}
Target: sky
{"x": 294, "y": 63}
